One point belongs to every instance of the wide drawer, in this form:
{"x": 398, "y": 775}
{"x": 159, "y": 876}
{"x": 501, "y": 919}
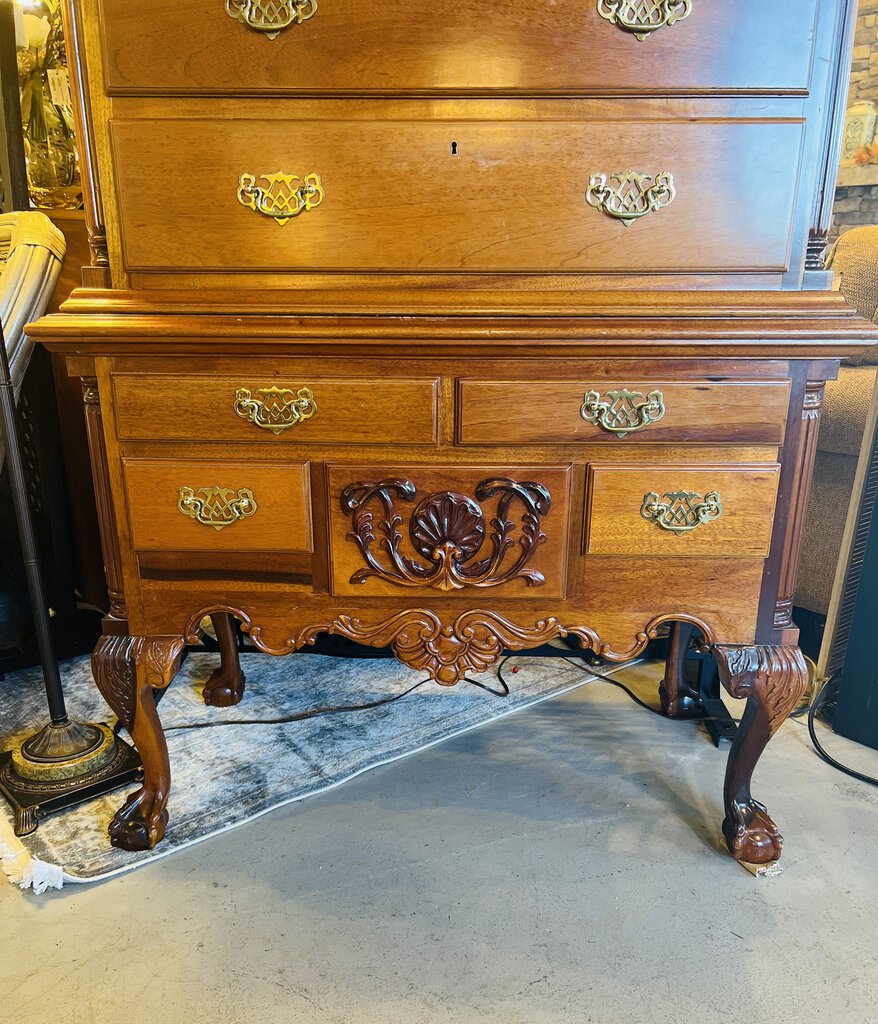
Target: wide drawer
{"x": 189, "y": 505}
{"x": 517, "y": 196}
{"x": 257, "y": 407}
{"x": 558, "y": 412}
{"x": 680, "y": 510}
{"x": 348, "y": 46}
{"x": 396, "y": 530}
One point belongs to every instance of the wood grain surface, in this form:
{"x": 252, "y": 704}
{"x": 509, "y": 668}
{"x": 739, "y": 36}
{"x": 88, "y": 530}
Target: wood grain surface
{"x": 511, "y": 200}
{"x": 532, "y": 46}
{"x": 700, "y": 412}
{"x": 616, "y": 527}
{"x": 349, "y": 410}
{"x": 282, "y": 521}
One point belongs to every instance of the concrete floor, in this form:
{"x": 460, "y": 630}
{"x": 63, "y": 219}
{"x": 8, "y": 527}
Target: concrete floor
{"x": 562, "y": 865}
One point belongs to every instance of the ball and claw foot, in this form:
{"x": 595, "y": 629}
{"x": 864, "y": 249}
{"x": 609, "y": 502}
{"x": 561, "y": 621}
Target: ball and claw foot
{"x": 134, "y": 828}
{"x": 225, "y": 688}
{"x": 751, "y": 835}
{"x": 684, "y": 704}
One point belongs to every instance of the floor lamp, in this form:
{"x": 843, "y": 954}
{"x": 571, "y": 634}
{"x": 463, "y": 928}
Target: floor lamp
{"x": 65, "y": 762}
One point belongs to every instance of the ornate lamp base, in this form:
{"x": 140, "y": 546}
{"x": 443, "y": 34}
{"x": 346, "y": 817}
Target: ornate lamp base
{"x": 63, "y": 765}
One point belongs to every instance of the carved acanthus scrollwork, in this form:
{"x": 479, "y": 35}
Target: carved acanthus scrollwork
{"x": 448, "y": 529}
{"x": 275, "y": 639}
{"x": 115, "y": 665}
{"x": 472, "y": 643}
{"x": 776, "y": 676}
{"x": 773, "y": 678}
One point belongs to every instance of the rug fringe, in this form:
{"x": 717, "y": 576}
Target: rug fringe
{"x": 21, "y": 868}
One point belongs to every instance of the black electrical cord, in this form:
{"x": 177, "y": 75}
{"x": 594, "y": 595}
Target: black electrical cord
{"x": 817, "y": 705}
{"x": 299, "y": 716}
{"x": 589, "y": 670}
{"x": 502, "y": 691}
{"x": 621, "y": 686}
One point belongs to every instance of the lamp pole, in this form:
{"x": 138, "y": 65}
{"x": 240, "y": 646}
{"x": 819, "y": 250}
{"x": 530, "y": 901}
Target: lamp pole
{"x": 65, "y": 762}
{"x": 18, "y": 485}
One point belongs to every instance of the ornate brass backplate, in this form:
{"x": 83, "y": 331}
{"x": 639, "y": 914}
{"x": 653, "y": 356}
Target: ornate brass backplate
{"x": 642, "y": 17}
{"x": 681, "y": 511}
{"x": 629, "y": 195}
{"x": 275, "y": 409}
{"x": 271, "y": 17}
{"x": 218, "y": 507}
{"x": 622, "y": 411}
{"x": 282, "y": 197}
{"x": 448, "y": 530}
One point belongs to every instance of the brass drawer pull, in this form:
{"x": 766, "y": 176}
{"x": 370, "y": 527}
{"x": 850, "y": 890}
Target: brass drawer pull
{"x": 629, "y": 195}
{"x": 218, "y": 507}
{"x": 276, "y": 409}
{"x": 283, "y": 196}
{"x": 642, "y": 17}
{"x": 271, "y": 17}
{"x": 623, "y": 411}
{"x": 681, "y": 511}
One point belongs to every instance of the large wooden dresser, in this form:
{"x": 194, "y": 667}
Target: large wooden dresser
{"x": 457, "y": 327}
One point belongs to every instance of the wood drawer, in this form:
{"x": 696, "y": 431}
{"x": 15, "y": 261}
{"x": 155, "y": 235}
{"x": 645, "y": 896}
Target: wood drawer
{"x": 265, "y": 407}
{"x": 395, "y": 199}
{"x": 551, "y": 46}
{"x": 446, "y": 530}
{"x": 560, "y": 412}
{"x": 620, "y": 523}
{"x": 274, "y": 516}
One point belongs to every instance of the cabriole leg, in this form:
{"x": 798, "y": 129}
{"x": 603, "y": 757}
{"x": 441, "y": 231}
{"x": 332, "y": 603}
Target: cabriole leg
{"x": 225, "y": 688}
{"x": 772, "y": 679}
{"x": 678, "y": 699}
{"x": 127, "y": 669}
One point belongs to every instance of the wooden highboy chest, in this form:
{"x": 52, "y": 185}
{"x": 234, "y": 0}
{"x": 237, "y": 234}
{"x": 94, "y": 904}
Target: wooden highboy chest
{"x": 456, "y": 326}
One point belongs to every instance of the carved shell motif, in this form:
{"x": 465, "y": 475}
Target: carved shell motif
{"x": 451, "y": 521}
{"x": 448, "y": 530}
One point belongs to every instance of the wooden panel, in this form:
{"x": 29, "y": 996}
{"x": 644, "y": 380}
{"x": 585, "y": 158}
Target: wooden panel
{"x": 616, "y": 495}
{"x": 696, "y": 412}
{"x": 426, "y": 524}
{"x": 281, "y": 522}
{"x": 723, "y": 593}
{"x": 351, "y": 46}
{"x": 351, "y": 411}
{"x": 512, "y": 199}
{"x": 614, "y": 594}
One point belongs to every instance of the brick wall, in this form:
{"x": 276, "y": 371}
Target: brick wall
{"x": 864, "y": 73}
{"x": 858, "y": 204}
{"x": 853, "y": 206}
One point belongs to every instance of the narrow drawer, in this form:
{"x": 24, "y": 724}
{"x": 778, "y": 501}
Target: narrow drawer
{"x": 622, "y": 412}
{"x": 713, "y": 197}
{"x": 190, "y": 505}
{"x": 253, "y": 406}
{"x": 447, "y": 541}
{"x": 681, "y": 510}
{"x": 347, "y": 46}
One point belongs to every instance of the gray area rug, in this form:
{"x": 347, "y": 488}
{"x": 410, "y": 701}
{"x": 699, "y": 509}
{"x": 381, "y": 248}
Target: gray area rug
{"x": 224, "y": 777}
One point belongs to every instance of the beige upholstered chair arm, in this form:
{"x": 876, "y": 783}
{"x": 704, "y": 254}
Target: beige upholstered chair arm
{"x": 31, "y": 253}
